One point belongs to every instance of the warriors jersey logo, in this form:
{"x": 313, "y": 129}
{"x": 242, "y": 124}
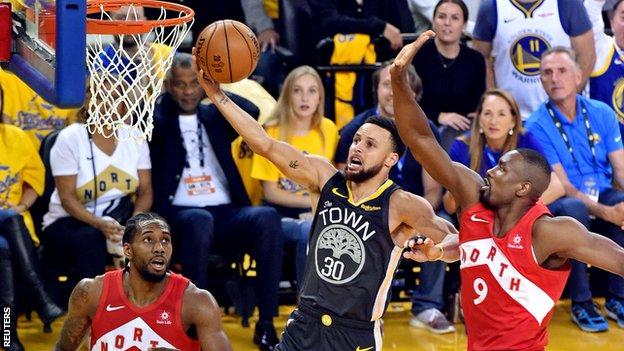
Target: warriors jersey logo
{"x": 526, "y": 53}
{"x": 618, "y": 99}
{"x": 339, "y": 255}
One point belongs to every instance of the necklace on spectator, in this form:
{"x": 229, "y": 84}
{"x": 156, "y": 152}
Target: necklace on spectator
{"x": 446, "y": 62}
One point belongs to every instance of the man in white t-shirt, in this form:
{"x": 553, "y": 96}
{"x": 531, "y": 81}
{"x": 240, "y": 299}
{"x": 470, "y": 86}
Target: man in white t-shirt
{"x": 200, "y": 192}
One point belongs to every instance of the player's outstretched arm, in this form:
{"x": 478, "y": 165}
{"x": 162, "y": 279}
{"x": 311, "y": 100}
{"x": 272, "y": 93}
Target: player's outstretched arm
{"x": 204, "y": 313}
{"x": 417, "y": 135}
{"x": 81, "y": 301}
{"x": 417, "y": 217}
{"x": 309, "y": 171}
{"x": 565, "y": 237}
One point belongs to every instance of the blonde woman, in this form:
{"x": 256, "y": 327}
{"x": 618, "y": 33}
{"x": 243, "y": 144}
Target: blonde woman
{"x": 298, "y": 120}
{"x": 496, "y": 129}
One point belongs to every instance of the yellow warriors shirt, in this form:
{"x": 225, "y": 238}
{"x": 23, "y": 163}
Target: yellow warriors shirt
{"x": 321, "y": 141}
{"x": 26, "y": 109}
{"x": 19, "y": 163}
{"x": 272, "y": 8}
{"x": 349, "y": 49}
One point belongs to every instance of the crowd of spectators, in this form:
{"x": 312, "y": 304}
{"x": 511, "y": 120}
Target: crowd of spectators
{"x": 538, "y": 74}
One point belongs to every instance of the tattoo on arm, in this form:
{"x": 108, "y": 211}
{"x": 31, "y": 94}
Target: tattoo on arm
{"x": 73, "y": 332}
{"x": 293, "y": 164}
{"x": 223, "y": 99}
{"x": 77, "y": 323}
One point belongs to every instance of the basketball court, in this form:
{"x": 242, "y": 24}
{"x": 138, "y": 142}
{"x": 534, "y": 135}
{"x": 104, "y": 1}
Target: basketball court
{"x": 397, "y": 334}
{"x": 51, "y": 53}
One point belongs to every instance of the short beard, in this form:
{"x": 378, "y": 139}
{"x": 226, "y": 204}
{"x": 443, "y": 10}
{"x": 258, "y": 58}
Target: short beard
{"x": 151, "y": 277}
{"x": 364, "y": 174}
{"x": 485, "y": 200}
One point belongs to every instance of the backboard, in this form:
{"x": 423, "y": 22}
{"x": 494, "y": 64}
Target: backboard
{"x": 49, "y": 49}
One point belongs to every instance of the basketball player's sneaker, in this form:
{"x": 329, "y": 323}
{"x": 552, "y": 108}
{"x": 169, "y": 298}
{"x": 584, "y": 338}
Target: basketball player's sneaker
{"x": 586, "y": 316}
{"x": 615, "y": 310}
{"x": 432, "y": 320}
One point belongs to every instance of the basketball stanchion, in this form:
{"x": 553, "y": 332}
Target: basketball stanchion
{"x": 5, "y": 32}
{"x": 126, "y": 78}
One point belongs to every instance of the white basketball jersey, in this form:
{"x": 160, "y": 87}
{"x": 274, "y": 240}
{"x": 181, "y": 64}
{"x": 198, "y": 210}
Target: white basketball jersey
{"x": 521, "y": 38}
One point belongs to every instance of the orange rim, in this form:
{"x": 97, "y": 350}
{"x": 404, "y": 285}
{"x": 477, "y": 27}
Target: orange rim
{"x": 109, "y": 26}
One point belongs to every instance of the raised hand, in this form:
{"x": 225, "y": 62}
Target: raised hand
{"x": 406, "y": 55}
{"x": 210, "y": 86}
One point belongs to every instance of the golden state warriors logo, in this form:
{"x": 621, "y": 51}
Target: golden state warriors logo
{"x": 618, "y": 99}
{"x": 526, "y": 53}
{"x": 339, "y": 255}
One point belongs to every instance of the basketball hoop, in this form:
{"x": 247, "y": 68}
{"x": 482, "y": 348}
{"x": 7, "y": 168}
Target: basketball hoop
{"x": 127, "y": 77}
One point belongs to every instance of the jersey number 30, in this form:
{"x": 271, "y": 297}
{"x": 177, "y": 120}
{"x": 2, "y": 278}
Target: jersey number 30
{"x": 333, "y": 269}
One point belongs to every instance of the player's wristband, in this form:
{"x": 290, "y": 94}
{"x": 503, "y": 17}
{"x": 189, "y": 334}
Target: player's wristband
{"x": 441, "y": 253}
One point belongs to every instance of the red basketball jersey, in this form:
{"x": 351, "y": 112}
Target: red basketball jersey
{"x": 120, "y": 325}
{"x": 507, "y": 297}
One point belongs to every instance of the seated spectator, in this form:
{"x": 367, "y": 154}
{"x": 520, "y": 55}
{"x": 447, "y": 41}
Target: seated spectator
{"x": 453, "y": 75}
{"x": 422, "y": 11}
{"x": 298, "y": 120}
{"x": 263, "y": 17}
{"x": 408, "y": 173}
{"x": 96, "y": 178}
{"x": 387, "y": 18}
{"x": 496, "y": 129}
{"x": 201, "y": 193}
{"x": 382, "y": 95}
{"x": 427, "y": 298}
{"x": 582, "y": 142}
{"x": 606, "y": 83}
{"x": 24, "y": 108}
{"x": 21, "y": 181}
{"x": 512, "y": 35}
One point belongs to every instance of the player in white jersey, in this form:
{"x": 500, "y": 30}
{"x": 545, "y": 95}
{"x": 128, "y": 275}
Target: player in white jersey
{"x": 514, "y": 34}
{"x": 607, "y": 79}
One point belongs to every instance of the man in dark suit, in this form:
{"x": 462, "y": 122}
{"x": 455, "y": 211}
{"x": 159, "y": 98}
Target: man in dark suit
{"x": 200, "y": 192}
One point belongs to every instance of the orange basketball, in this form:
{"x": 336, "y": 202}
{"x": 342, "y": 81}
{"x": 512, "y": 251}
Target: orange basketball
{"x": 227, "y": 51}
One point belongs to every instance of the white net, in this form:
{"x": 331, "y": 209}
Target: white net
{"x": 126, "y": 76}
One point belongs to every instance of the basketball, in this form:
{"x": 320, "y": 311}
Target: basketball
{"x": 227, "y": 51}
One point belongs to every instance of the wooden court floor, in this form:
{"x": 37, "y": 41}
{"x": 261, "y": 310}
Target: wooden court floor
{"x": 398, "y": 335}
